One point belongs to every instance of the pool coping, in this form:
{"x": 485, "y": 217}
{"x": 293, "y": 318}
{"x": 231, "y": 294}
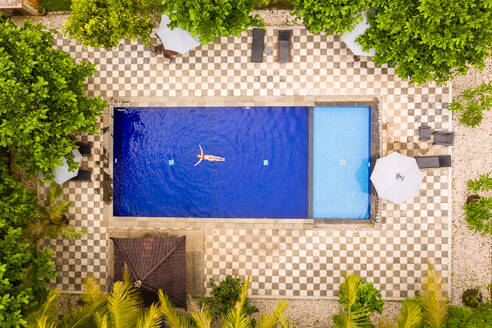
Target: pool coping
{"x": 306, "y": 101}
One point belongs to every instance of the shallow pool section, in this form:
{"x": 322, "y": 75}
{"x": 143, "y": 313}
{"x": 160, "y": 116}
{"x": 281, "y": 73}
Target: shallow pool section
{"x": 341, "y": 162}
{"x": 265, "y": 173}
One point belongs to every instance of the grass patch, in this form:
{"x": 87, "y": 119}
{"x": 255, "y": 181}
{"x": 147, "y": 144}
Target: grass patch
{"x": 56, "y": 5}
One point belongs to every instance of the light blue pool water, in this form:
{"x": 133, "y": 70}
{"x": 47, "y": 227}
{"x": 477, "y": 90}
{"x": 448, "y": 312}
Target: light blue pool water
{"x": 341, "y": 159}
{"x": 266, "y": 172}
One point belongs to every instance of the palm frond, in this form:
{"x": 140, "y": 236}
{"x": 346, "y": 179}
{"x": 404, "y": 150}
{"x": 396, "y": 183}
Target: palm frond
{"x": 71, "y": 234}
{"x": 279, "y": 314}
{"x": 411, "y": 315}
{"x": 384, "y": 323}
{"x": 47, "y": 314}
{"x": 352, "y": 319}
{"x": 85, "y": 316}
{"x": 236, "y": 318}
{"x": 57, "y": 211}
{"x": 124, "y": 306}
{"x": 172, "y": 318}
{"x": 126, "y": 276}
{"x": 92, "y": 291}
{"x": 151, "y": 319}
{"x": 434, "y": 299}
{"x": 201, "y": 316}
{"x": 350, "y": 288}
{"x": 102, "y": 322}
{"x": 267, "y": 321}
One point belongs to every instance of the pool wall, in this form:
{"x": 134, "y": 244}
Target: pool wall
{"x": 308, "y": 101}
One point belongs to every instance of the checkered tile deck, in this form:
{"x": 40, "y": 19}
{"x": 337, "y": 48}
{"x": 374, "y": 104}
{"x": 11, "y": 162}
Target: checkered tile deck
{"x": 283, "y": 262}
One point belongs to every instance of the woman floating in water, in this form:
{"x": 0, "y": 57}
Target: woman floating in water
{"x": 211, "y": 158}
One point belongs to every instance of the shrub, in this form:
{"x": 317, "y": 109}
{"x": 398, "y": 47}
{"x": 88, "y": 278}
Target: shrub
{"x": 214, "y": 18}
{"x": 457, "y": 317}
{"x": 478, "y": 215}
{"x": 336, "y": 16}
{"x": 224, "y": 297}
{"x": 23, "y": 271}
{"x": 483, "y": 183}
{"x": 472, "y": 297}
{"x": 42, "y": 99}
{"x": 367, "y": 296}
{"x": 464, "y": 317}
{"x": 105, "y": 23}
{"x": 429, "y": 40}
{"x": 472, "y": 103}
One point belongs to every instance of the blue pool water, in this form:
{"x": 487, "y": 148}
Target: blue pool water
{"x": 267, "y": 166}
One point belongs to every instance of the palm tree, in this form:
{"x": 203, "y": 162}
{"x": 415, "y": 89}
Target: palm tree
{"x": 346, "y": 317}
{"x": 235, "y": 318}
{"x": 52, "y": 221}
{"x": 122, "y": 308}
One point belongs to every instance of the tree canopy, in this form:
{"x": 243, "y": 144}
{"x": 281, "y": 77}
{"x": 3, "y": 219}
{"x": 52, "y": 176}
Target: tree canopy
{"x": 213, "y": 18}
{"x": 104, "y": 23}
{"x": 42, "y": 99}
{"x": 424, "y": 40}
{"x": 335, "y": 16}
{"x": 23, "y": 270}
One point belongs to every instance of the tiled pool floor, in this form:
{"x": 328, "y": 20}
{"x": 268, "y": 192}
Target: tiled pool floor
{"x": 296, "y": 260}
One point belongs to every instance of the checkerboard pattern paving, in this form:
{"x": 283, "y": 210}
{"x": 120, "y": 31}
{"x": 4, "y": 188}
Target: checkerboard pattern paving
{"x": 283, "y": 262}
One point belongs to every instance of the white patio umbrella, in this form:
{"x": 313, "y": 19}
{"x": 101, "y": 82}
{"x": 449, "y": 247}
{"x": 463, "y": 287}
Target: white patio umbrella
{"x": 62, "y": 173}
{"x": 176, "y": 39}
{"x": 397, "y": 177}
{"x": 349, "y": 38}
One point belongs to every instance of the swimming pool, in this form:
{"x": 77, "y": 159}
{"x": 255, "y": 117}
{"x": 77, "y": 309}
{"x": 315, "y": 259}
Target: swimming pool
{"x": 280, "y": 162}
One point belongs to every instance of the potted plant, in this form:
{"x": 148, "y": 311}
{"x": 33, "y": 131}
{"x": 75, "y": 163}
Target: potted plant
{"x": 472, "y": 297}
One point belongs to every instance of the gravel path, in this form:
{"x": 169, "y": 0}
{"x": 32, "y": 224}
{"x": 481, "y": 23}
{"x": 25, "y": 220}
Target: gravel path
{"x": 472, "y": 156}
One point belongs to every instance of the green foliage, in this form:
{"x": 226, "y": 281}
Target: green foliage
{"x": 55, "y": 5}
{"x": 212, "y": 18}
{"x": 431, "y": 39}
{"x": 224, "y": 296}
{"x": 23, "y": 271}
{"x": 472, "y": 103}
{"x": 334, "y": 16}
{"x": 472, "y": 297}
{"x": 479, "y": 215}
{"x": 349, "y": 315}
{"x": 52, "y": 221}
{"x": 42, "y": 99}
{"x": 368, "y": 298}
{"x": 483, "y": 183}
{"x": 259, "y": 4}
{"x": 99, "y": 23}
{"x": 464, "y": 317}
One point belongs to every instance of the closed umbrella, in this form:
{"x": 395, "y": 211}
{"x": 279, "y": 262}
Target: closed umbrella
{"x": 62, "y": 173}
{"x": 176, "y": 39}
{"x": 397, "y": 177}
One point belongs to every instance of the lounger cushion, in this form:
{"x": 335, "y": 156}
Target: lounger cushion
{"x": 445, "y": 161}
{"x": 424, "y": 133}
{"x": 84, "y": 175}
{"x": 427, "y": 162}
{"x": 84, "y": 148}
{"x": 258, "y": 45}
{"x": 444, "y": 138}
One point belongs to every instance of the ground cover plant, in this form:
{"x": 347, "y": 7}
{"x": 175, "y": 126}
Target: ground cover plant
{"x": 478, "y": 210}
{"x": 472, "y": 103}
{"x": 211, "y": 19}
{"x": 104, "y": 24}
{"x": 43, "y": 99}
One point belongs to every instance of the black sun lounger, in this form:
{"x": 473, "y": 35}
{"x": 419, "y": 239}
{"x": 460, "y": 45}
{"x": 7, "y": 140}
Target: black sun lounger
{"x": 84, "y": 148}
{"x": 445, "y": 138}
{"x": 424, "y": 133}
{"x": 428, "y": 162}
{"x": 84, "y": 175}
{"x": 284, "y": 45}
{"x": 258, "y": 45}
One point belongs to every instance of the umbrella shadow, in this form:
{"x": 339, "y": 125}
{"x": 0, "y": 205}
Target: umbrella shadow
{"x": 362, "y": 175}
